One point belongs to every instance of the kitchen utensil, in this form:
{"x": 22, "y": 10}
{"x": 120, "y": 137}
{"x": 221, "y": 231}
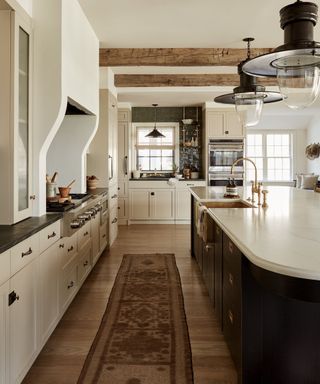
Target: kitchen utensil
{"x": 51, "y": 189}
{"x": 48, "y": 180}
{"x": 72, "y": 182}
{"x": 54, "y": 177}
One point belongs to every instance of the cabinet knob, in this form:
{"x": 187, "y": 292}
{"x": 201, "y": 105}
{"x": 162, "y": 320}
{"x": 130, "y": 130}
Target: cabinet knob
{"x": 231, "y": 279}
{"x": 52, "y": 235}
{"x": 114, "y": 220}
{"x": 104, "y": 235}
{"x": 86, "y": 233}
{"x": 32, "y": 197}
{"x": 85, "y": 263}
{"x": 114, "y": 196}
{"x": 226, "y": 132}
{"x": 70, "y": 249}
{"x": 152, "y": 193}
{"x": 61, "y": 245}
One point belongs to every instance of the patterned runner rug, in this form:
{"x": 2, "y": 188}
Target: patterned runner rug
{"x": 143, "y": 337}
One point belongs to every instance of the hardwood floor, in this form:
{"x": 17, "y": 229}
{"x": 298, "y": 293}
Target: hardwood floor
{"x": 61, "y": 359}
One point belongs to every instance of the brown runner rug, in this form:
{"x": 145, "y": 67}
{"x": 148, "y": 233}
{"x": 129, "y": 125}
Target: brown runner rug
{"x": 143, "y": 337}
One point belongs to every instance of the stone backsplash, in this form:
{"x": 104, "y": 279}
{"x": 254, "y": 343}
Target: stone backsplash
{"x": 190, "y": 136}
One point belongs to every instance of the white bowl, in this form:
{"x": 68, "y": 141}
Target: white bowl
{"x": 179, "y": 176}
{"x": 187, "y": 121}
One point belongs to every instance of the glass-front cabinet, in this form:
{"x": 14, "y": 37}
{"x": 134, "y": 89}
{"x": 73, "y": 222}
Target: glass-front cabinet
{"x": 16, "y": 193}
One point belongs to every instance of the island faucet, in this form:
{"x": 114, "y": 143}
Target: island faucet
{"x": 256, "y": 187}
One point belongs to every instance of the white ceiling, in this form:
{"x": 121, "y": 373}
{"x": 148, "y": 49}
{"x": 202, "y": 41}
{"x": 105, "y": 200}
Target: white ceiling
{"x": 180, "y": 24}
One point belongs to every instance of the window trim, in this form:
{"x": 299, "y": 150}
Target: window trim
{"x": 175, "y": 126}
{"x": 292, "y": 138}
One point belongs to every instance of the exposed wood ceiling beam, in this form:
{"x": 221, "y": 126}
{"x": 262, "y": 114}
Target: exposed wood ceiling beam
{"x": 116, "y": 57}
{"x": 193, "y": 80}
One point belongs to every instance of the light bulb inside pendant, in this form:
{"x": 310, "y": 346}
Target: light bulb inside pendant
{"x": 249, "y": 108}
{"x": 300, "y": 86}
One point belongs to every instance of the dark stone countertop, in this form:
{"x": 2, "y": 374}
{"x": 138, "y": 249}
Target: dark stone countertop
{"x": 97, "y": 191}
{"x": 163, "y": 179}
{"x": 11, "y": 235}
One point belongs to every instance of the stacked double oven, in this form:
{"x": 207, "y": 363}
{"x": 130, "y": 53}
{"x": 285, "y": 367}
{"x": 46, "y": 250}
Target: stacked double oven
{"x": 222, "y": 154}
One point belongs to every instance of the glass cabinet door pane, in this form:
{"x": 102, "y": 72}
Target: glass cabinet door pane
{"x": 23, "y": 128}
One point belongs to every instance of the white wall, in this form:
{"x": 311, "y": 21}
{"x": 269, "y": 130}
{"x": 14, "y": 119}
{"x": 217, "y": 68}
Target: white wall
{"x": 313, "y": 136}
{"x": 66, "y": 63}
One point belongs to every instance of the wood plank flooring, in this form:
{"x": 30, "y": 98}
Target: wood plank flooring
{"x": 61, "y": 359}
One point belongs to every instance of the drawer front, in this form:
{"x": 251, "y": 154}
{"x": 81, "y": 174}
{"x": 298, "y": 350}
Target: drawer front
{"x": 24, "y": 252}
{"x": 231, "y": 254}
{"x": 69, "y": 249}
{"x": 113, "y": 196}
{"x": 5, "y": 266}
{"x": 232, "y": 327}
{"x": 49, "y": 235}
{"x": 103, "y": 236}
{"x": 68, "y": 286}
{"x": 85, "y": 263}
{"x": 83, "y": 236}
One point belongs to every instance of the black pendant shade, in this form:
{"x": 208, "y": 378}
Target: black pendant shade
{"x": 248, "y": 85}
{"x": 299, "y": 49}
{"x": 155, "y": 133}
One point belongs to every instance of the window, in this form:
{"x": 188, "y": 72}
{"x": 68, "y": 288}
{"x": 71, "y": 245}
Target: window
{"x": 272, "y": 153}
{"x": 156, "y": 154}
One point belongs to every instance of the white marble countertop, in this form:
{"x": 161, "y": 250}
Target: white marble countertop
{"x": 283, "y": 238}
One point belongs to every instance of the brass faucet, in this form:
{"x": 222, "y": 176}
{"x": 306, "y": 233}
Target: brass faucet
{"x": 256, "y": 187}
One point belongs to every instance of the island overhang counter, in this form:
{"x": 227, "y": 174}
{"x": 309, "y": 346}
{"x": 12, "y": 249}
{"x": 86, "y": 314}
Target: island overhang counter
{"x": 263, "y": 278}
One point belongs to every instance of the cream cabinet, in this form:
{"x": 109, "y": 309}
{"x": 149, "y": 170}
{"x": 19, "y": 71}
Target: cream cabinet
{"x": 23, "y": 320}
{"x": 152, "y": 204}
{"x": 95, "y": 238}
{"x": 4, "y": 333}
{"x": 222, "y": 124}
{"x": 15, "y": 128}
{"x": 183, "y": 199}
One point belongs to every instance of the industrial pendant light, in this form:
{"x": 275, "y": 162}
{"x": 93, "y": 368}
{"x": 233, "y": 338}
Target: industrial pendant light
{"x": 295, "y": 63}
{"x": 249, "y": 97}
{"x": 155, "y": 133}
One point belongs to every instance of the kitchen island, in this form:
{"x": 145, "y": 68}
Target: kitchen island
{"x": 261, "y": 267}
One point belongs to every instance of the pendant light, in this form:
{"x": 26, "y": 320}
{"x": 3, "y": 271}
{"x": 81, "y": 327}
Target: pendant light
{"x": 249, "y": 97}
{"x": 295, "y": 63}
{"x": 155, "y": 133}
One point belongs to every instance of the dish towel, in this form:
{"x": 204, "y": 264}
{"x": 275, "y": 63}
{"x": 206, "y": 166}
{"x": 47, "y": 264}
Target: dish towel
{"x": 200, "y": 220}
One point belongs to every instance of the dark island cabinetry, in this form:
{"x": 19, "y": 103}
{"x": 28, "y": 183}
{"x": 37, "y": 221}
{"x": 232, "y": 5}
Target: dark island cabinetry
{"x": 270, "y": 321}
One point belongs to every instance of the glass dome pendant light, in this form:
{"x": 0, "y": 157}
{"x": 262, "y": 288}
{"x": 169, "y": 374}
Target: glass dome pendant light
{"x": 248, "y": 97}
{"x": 155, "y": 133}
{"x": 295, "y": 64}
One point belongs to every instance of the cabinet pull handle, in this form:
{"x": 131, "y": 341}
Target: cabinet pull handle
{"x": 29, "y": 251}
{"x": 209, "y": 246}
{"x": 61, "y": 245}
{"x": 126, "y": 165}
{"x": 230, "y": 247}
{"x": 85, "y": 263}
{"x": 86, "y": 233}
{"x": 114, "y": 196}
{"x": 104, "y": 235}
{"x": 118, "y": 188}
{"x": 71, "y": 284}
{"x": 32, "y": 197}
{"x": 52, "y": 235}
{"x": 70, "y": 249}
{"x": 231, "y": 280}
{"x": 111, "y": 167}
{"x": 114, "y": 220}
{"x": 230, "y": 316}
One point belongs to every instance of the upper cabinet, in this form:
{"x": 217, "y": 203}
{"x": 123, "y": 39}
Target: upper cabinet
{"x": 15, "y": 159}
{"x": 222, "y": 124}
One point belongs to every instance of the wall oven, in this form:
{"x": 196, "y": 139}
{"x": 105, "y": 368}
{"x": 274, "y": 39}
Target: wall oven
{"x": 222, "y": 154}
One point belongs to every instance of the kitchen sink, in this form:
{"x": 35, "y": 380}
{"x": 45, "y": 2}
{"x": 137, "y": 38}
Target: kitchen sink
{"x": 227, "y": 204}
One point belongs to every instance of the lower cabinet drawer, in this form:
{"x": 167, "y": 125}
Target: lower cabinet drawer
{"x": 84, "y": 234}
{"x": 68, "y": 286}
{"x": 49, "y": 235}
{"x": 103, "y": 236}
{"x": 69, "y": 250}
{"x": 232, "y": 328}
{"x": 85, "y": 263}
{"x": 24, "y": 252}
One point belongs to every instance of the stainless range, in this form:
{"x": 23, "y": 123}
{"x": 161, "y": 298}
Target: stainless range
{"x": 84, "y": 211}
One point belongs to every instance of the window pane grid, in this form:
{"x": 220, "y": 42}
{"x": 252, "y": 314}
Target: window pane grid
{"x": 276, "y": 164}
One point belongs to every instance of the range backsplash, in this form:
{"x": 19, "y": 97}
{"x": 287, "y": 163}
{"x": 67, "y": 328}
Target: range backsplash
{"x": 189, "y": 156}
